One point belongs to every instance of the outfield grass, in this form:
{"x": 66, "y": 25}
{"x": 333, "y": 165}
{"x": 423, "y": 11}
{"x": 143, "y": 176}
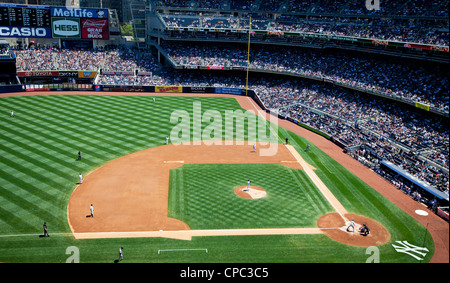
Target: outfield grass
{"x": 38, "y": 172}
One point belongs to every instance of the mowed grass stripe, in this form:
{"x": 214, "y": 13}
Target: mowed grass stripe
{"x": 80, "y": 131}
{"x": 315, "y": 197}
{"x": 19, "y": 150}
{"x": 68, "y": 134}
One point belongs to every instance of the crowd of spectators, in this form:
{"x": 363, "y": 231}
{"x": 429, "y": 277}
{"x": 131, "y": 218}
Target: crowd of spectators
{"x": 399, "y": 7}
{"x": 405, "y": 80}
{"x": 417, "y": 31}
{"x": 108, "y": 59}
{"x": 35, "y": 59}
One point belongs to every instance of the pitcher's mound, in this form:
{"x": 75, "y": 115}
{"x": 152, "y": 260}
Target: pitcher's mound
{"x": 252, "y": 193}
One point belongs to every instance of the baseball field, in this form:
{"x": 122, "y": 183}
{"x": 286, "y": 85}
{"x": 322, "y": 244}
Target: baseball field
{"x": 182, "y": 203}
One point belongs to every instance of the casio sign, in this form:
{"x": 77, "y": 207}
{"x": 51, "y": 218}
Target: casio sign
{"x": 24, "y": 32}
{"x": 66, "y": 28}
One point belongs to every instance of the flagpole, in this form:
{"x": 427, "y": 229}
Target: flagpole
{"x": 248, "y": 53}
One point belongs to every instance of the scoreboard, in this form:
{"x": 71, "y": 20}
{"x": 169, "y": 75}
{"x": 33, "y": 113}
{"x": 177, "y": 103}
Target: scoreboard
{"x": 36, "y": 21}
{"x": 25, "y": 17}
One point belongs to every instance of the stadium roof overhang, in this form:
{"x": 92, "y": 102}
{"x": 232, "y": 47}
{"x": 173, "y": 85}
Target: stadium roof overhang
{"x": 432, "y": 190}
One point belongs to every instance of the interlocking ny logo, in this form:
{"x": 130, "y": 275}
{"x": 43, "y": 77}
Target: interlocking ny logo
{"x": 411, "y": 250}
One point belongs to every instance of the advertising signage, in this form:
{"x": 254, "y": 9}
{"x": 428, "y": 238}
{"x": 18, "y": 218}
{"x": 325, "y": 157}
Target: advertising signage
{"x": 8, "y": 31}
{"x": 79, "y": 13}
{"x": 80, "y": 28}
{"x": 94, "y": 29}
{"x": 36, "y": 21}
{"x": 66, "y": 28}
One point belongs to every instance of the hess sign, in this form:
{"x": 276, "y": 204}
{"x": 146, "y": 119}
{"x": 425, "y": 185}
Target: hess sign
{"x": 66, "y": 28}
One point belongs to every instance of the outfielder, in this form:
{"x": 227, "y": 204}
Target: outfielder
{"x": 121, "y": 254}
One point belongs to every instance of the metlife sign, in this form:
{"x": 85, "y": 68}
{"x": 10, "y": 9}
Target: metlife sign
{"x": 66, "y": 28}
{"x": 79, "y": 13}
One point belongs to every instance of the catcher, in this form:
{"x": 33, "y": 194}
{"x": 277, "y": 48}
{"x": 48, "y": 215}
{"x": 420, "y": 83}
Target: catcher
{"x": 364, "y": 230}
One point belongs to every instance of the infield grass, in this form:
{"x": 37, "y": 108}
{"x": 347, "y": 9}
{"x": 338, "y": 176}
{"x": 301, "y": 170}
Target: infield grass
{"x": 39, "y": 170}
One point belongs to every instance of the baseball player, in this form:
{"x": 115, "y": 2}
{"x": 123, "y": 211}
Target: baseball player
{"x": 45, "y": 230}
{"x": 91, "y": 208}
{"x": 352, "y": 225}
{"x": 248, "y": 186}
{"x": 254, "y": 147}
{"x": 121, "y": 254}
{"x": 81, "y": 178}
{"x": 79, "y": 155}
{"x": 167, "y": 140}
{"x": 364, "y": 230}
{"x": 12, "y": 114}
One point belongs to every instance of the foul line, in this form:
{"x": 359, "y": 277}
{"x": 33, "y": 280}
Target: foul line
{"x": 187, "y": 234}
{"x": 319, "y": 184}
{"x": 177, "y": 250}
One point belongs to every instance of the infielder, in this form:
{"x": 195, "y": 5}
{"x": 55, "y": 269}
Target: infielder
{"x": 91, "y": 208}
{"x": 81, "y": 178}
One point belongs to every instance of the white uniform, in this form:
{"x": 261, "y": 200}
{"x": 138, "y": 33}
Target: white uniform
{"x": 248, "y": 186}
{"x": 120, "y": 254}
{"x": 254, "y": 147}
{"x": 352, "y": 224}
{"x": 167, "y": 140}
{"x": 81, "y": 178}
